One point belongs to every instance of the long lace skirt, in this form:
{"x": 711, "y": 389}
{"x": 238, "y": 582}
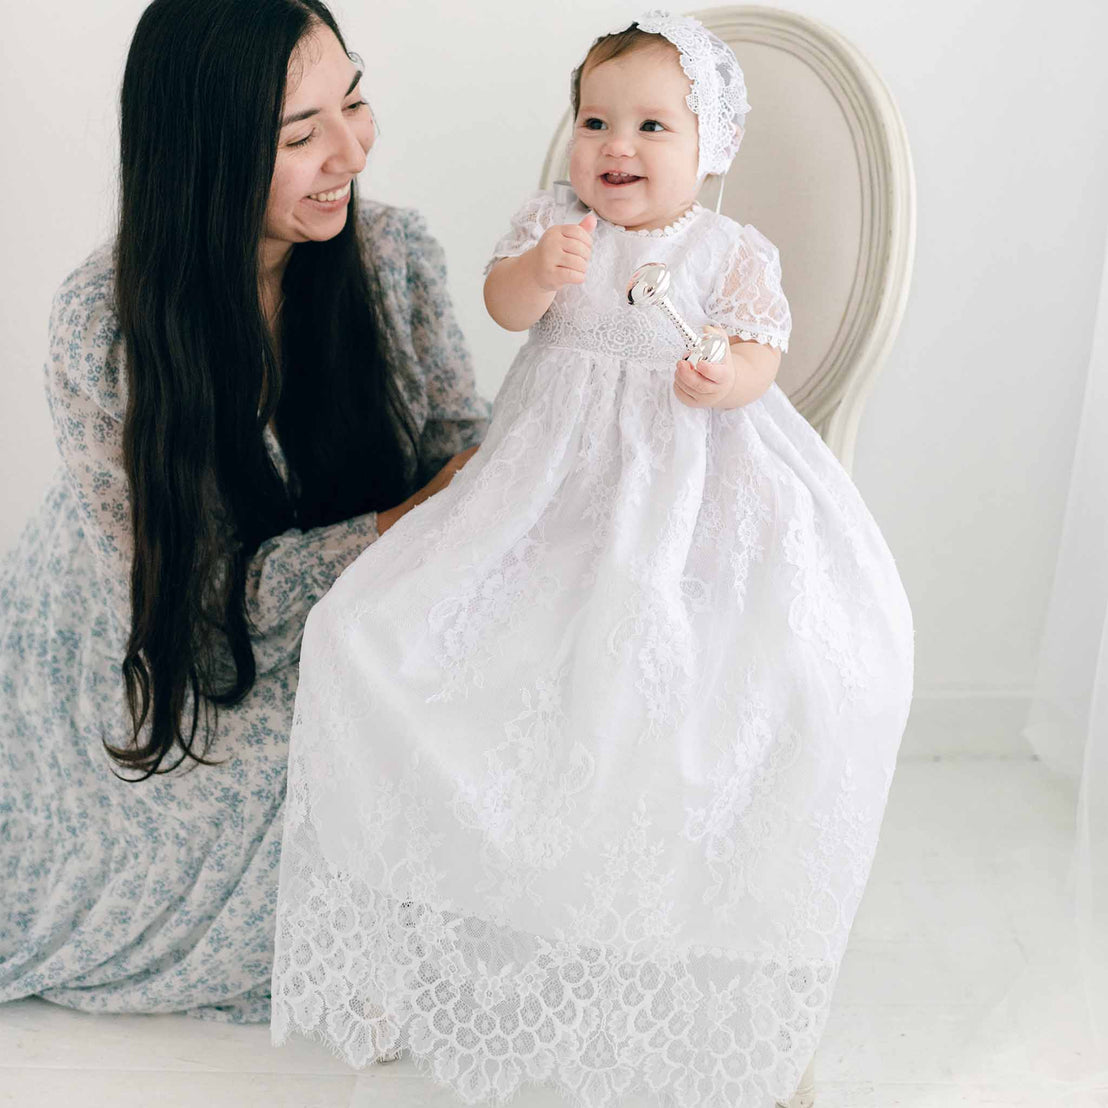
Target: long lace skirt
{"x": 591, "y": 751}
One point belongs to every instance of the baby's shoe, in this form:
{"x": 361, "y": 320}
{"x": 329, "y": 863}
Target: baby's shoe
{"x": 805, "y": 1095}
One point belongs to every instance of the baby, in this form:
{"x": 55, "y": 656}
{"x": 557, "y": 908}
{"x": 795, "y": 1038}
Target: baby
{"x": 634, "y": 163}
{"x": 592, "y": 747}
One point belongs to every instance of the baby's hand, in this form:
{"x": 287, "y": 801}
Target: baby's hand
{"x": 562, "y": 254}
{"x": 706, "y": 384}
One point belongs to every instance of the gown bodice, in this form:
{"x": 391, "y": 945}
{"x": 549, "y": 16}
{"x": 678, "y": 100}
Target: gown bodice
{"x": 722, "y": 272}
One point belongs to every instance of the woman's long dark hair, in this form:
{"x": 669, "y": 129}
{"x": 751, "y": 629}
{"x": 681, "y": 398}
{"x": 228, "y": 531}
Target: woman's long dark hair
{"x": 201, "y": 104}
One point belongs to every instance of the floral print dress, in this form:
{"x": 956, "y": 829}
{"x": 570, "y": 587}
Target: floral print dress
{"x": 159, "y": 896}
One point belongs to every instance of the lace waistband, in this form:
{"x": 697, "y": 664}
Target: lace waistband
{"x": 651, "y": 361}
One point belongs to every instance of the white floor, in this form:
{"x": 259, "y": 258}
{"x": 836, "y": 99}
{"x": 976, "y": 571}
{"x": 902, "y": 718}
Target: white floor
{"x": 967, "y": 881}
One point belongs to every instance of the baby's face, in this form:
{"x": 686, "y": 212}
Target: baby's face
{"x": 634, "y": 149}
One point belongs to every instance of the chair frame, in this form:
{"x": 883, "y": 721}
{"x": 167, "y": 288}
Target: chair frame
{"x": 834, "y": 396}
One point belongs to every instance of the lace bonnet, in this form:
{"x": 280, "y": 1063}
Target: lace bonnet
{"x": 718, "y": 94}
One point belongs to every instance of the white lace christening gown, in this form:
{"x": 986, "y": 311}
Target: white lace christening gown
{"x": 591, "y": 749}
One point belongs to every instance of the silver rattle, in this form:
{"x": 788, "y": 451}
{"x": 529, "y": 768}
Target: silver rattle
{"x": 649, "y": 284}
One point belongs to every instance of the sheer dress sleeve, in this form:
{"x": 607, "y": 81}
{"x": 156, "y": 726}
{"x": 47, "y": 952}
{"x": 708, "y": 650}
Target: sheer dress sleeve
{"x": 748, "y": 300}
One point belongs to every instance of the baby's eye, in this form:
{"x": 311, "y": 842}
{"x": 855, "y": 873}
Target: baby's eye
{"x": 652, "y": 125}
{"x": 594, "y": 124}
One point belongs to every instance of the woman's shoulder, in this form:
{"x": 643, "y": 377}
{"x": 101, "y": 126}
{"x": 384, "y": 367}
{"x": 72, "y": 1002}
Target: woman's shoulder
{"x": 398, "y": 243}
{"x": 84, "y": 334}
{"x": 383, "y": 225}
{"x": 88, "y": 289}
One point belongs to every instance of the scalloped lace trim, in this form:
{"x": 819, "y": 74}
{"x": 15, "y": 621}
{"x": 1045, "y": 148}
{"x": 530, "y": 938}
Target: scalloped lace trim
{"x": 769, "y": 340}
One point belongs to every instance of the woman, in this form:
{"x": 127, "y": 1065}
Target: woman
{"x": 255, "y": 380}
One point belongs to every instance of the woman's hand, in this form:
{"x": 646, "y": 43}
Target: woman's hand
{"x": 437, "y": 483}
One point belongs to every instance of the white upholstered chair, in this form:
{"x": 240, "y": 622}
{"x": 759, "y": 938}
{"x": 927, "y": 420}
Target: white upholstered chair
{"x": 825, "y": 173}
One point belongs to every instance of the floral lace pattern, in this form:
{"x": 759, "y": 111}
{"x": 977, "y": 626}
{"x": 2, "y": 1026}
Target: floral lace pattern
{"x": 160, "y": 896}
{"x": 591, "y": 749}
{"x": 718, "y": 88}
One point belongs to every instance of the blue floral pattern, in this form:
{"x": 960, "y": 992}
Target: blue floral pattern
{"x": 160, "y": 896}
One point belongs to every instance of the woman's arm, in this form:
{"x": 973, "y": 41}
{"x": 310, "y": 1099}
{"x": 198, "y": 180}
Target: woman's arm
{"x": 85, "y": 387}
{"x": 289, "y": 572}
{"x": 457, "y": 415}
{"x": 86, "y": 398}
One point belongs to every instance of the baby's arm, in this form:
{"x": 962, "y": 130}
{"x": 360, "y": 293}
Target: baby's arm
{"x": 756, "y": 364}
{"x": 519, "y": 290}
{"x": 750, "y": 303}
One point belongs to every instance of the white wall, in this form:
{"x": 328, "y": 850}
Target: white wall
{"x": 965, "y": 447}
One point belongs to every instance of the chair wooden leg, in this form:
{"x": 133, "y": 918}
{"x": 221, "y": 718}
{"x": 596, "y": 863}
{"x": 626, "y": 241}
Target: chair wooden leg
{"x": 805, "y": 1095}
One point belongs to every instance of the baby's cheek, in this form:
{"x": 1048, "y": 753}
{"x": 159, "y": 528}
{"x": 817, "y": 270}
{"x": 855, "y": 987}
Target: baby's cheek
{"x": 578, "y": 170}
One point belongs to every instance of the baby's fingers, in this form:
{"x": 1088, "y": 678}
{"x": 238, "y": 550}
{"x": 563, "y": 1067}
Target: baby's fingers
{"x": 709, "y": 371}
{"x": 686, "y": 374}
{"x": 571, "y": 231}
{"x": 577, "y": 248}
{"x": 574, "y": 262}
{"x": 692, "y": 379}
{"x": 571, "y": 276}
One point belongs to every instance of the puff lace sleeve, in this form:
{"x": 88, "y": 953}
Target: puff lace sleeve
{"x": 747, "y": 299}
{"x": 536, "y": 214}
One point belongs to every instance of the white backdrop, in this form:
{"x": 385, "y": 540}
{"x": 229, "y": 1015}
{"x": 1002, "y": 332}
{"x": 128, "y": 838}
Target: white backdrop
{"x": 966, "y": 446}
{"x": 1068, "y": 729}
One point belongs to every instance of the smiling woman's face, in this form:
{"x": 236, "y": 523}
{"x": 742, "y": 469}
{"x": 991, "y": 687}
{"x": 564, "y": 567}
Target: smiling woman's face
{"x": 327, "y": 130}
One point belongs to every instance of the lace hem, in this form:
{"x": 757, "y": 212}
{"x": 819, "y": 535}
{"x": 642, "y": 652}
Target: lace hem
{"x": 484, "y": 1010}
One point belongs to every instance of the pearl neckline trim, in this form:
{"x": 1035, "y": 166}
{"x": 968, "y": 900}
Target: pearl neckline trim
{"x": 669, "y": 229}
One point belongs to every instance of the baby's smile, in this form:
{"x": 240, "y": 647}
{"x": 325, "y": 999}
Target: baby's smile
{"x": 618, "y": 180}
